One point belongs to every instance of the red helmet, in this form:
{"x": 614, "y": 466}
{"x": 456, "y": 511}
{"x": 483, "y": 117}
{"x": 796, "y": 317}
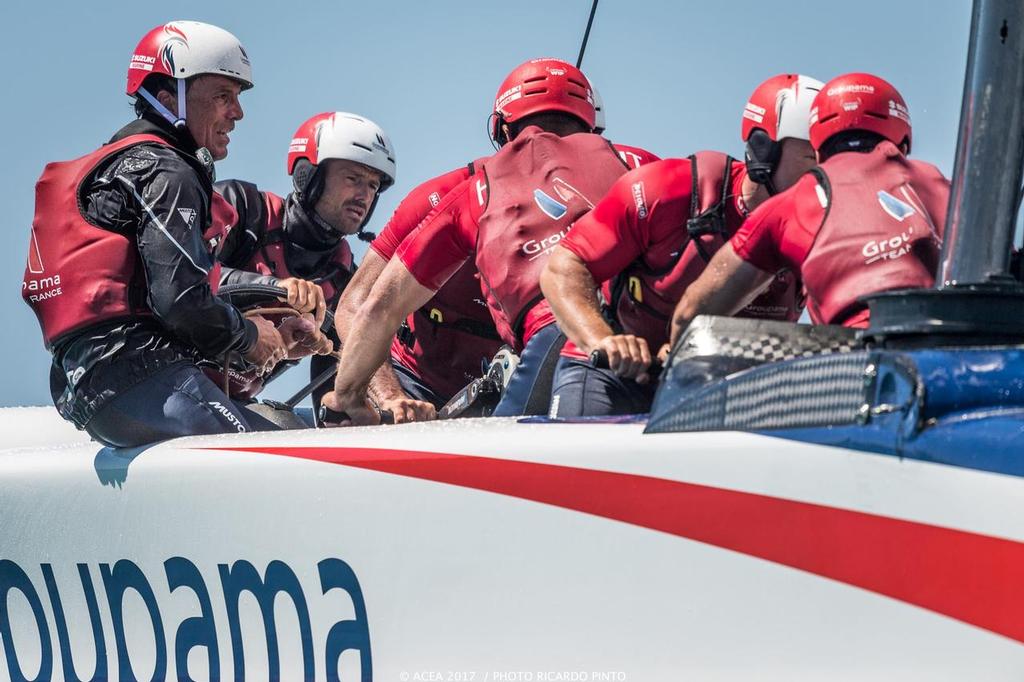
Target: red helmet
{"x": 543, "y": 85}
{"x": 781, "y": 106}
{"x": 181, "y": 49}
{"x": 778, "y": 109}
{"x": 859, "y": 101}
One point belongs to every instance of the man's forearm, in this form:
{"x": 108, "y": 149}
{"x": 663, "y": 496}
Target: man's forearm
{"x": 384, "y": 384}
{"x": 727, "y": 284}
{"x": 394, "y": 296}
{"x": 357, "y": 291}
{"x": 366, "y": 351}
{"x": 572, "y": 294}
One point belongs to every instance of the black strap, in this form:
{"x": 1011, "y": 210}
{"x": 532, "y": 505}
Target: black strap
{"x": 711, "y": 221}
{"x": 822, "y": 178}
{"x": 520, "y": 321}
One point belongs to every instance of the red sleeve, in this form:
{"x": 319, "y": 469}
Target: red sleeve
{"x": 444, "y": 240}
{"x": 635, "y": 156}
{"x": 781, "y": 231}
{"x": 416, "y": 205}
{"x": 640, "y": 210}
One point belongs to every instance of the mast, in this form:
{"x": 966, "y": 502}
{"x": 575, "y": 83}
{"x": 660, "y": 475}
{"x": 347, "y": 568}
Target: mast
{"x": 975, "y": 300}
{"x": 990, "y": 149}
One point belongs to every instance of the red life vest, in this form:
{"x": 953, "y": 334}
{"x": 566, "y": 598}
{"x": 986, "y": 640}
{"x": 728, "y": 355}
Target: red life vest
{"x": 882, "y": 230}
{"x": 444, "y": 341}
{"x": 538, "y": 184}
{"x": 79, "y": 274}
{"x": 645, "y": 294}
{"x": 269, "y": 257}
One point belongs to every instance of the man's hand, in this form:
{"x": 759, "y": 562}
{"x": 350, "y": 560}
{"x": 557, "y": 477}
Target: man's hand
{"x": 305, "y": 297}
{"x": 663, "y": 354}
{"x": 358, "y": 409}
{"x": 270, "y": 348}
{"x": 628, "y": 356}
{"x": 303, "y": 337}
{"x": 407, "y": 409}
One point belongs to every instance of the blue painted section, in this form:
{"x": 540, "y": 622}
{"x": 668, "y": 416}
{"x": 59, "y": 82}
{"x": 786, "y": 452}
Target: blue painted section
{"x": 552, "y": 207}
{"x": 961, "y": 408}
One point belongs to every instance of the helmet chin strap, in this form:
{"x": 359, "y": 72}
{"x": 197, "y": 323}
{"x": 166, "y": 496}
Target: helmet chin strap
{"x": 202, "y": 153}
{"x": 176, "y": 121}
{"x": 491, "y": 127}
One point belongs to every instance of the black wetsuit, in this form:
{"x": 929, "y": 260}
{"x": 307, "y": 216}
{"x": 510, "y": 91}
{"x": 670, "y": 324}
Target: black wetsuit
{"x": 159, "y": 196}
{"x": 309, "y": 248}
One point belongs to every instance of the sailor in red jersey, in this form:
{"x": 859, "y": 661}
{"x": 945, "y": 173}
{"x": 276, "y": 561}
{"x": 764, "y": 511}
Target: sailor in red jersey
{"x": 866, "y": 220}
{"x": 339, "y": 164}
{"x": 128, "y": 229}
{"x": 508, "y": 215}
{"x": 652, "y": 235}
{"x": 439, "y": 348}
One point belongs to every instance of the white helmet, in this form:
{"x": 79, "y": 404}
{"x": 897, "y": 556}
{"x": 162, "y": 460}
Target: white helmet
{"x": 779, "y": 108}
{"x": 338, "y": 135}
{"x": 599, "y": 122}
{"x": 180, "y": 50}
{"x": 341, "y": 135}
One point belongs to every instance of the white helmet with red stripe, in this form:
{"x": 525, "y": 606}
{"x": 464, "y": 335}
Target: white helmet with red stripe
{"x": 341, "y": 135}
{"x": 779, "y": 108}
{"x": 181, "y": 50}
{"x": 338, "y": 135}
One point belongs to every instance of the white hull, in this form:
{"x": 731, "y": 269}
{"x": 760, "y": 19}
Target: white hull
{"x": 505, "y": 567}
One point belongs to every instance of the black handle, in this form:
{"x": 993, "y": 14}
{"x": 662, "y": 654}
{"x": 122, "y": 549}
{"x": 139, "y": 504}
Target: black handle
{"x": 249, "y": 294}
{"x": 326, "y": 414}
{"x": 599, "y": 360}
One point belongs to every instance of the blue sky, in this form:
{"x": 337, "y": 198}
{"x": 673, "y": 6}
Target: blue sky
{"x": 674, "y": 77}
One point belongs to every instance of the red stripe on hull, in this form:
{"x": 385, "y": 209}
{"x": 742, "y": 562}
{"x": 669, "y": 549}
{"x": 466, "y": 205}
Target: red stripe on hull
{"x": 973, "y": 578}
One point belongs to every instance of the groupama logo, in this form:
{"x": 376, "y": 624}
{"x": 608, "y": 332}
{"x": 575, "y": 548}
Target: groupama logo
{"x": 172, "y": 642}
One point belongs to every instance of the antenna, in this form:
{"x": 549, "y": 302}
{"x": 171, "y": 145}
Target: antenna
{"x": 586, "y": 34}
